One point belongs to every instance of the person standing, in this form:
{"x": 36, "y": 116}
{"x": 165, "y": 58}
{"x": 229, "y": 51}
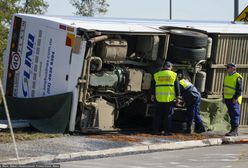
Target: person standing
{"x": 166, "y": 90}
{"x": 192, "y": 98}
{"x": 232, "y": 97}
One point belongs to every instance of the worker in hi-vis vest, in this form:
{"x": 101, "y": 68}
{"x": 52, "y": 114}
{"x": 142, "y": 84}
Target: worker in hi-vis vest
{"x": 192, "y": 99}
{"x": 232, "y": 95}
{"x": 166, "y": 91}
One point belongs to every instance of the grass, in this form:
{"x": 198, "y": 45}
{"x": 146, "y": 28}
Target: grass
{"x": 25, "y": 135}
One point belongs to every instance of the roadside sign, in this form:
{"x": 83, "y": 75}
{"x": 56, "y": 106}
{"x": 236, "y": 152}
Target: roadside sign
{"x": 243, "y": 16}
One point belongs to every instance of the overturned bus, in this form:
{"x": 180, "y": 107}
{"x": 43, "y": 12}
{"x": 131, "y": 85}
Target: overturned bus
{"x": 94, "y": 74}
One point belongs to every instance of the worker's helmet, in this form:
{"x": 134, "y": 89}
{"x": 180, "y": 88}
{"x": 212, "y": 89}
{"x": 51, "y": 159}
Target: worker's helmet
{"x": 180, "y": 74}
{"x": 231, "y": 65}
{"x": 168, "y": 65}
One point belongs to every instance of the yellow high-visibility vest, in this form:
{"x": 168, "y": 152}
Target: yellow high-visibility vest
{"x": 230, "y": 82}
{"x": 185, "y": 83}
{"x": 165, "y": 89}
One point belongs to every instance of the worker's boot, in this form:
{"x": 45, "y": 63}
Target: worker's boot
{"x": 233, "y": 132}
{"x": 199, "y": 128}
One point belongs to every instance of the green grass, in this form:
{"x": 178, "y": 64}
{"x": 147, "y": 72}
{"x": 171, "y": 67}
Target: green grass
{"x": 25, "y": 135}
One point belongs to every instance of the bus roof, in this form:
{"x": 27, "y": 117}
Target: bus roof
{"x": 142, "y": 25}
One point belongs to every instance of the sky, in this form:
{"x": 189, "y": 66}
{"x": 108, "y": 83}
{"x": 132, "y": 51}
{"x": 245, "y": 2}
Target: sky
{"x": 212, "y": 10}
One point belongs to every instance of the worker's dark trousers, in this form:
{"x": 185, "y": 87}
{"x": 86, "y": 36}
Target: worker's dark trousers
{"x": 163, "y": 117}
{"x": 193, "y": 111}
{"x": 233, "y": 111}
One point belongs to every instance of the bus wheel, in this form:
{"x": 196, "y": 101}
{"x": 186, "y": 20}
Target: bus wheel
{"x": 188, "y": 38}
{"x": 181, "y": 54}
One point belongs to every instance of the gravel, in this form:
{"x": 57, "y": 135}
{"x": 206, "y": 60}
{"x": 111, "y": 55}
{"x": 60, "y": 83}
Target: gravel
{"x": 66, "y": 144}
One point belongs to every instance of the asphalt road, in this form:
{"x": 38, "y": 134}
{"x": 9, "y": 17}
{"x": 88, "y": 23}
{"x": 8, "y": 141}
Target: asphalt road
{"x": 224, "y": 156}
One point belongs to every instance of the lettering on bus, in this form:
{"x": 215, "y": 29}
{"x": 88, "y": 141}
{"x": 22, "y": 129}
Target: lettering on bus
{"x": 27, "y": 65}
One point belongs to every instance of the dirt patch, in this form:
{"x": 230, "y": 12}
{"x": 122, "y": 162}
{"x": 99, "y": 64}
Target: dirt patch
{"x": 117, "y": 137}
{"x": 187, "y": 137}
{"x": 139, "y": 137}
{"x": 25, "y": 135}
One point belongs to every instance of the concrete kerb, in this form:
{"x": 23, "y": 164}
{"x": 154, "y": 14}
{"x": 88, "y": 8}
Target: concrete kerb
{"x": 186, "y": 144}
{"x": 235, "y": 139}
{"x": 125, "y": 150}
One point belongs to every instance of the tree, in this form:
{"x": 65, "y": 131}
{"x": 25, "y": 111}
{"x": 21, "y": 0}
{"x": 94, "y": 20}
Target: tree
{"x": 34, "y": 6}
{"x": 9, "y": 7}
{"x": 90, "y": 7}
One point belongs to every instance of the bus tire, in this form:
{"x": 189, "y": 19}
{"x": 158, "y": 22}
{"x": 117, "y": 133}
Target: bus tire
{"x": 187, "y": 38}
{"x": 181, "y": 54}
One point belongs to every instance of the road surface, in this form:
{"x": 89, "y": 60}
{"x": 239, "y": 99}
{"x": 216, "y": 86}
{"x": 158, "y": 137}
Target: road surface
{"x": 224, "y": 156}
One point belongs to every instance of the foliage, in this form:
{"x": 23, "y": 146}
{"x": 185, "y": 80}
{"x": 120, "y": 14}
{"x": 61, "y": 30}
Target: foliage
{"x": 90, "y": 7}
{"x": 9, "y": 7}
{"x": 3, "y": 41}
{"x": 33, "y": 7}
